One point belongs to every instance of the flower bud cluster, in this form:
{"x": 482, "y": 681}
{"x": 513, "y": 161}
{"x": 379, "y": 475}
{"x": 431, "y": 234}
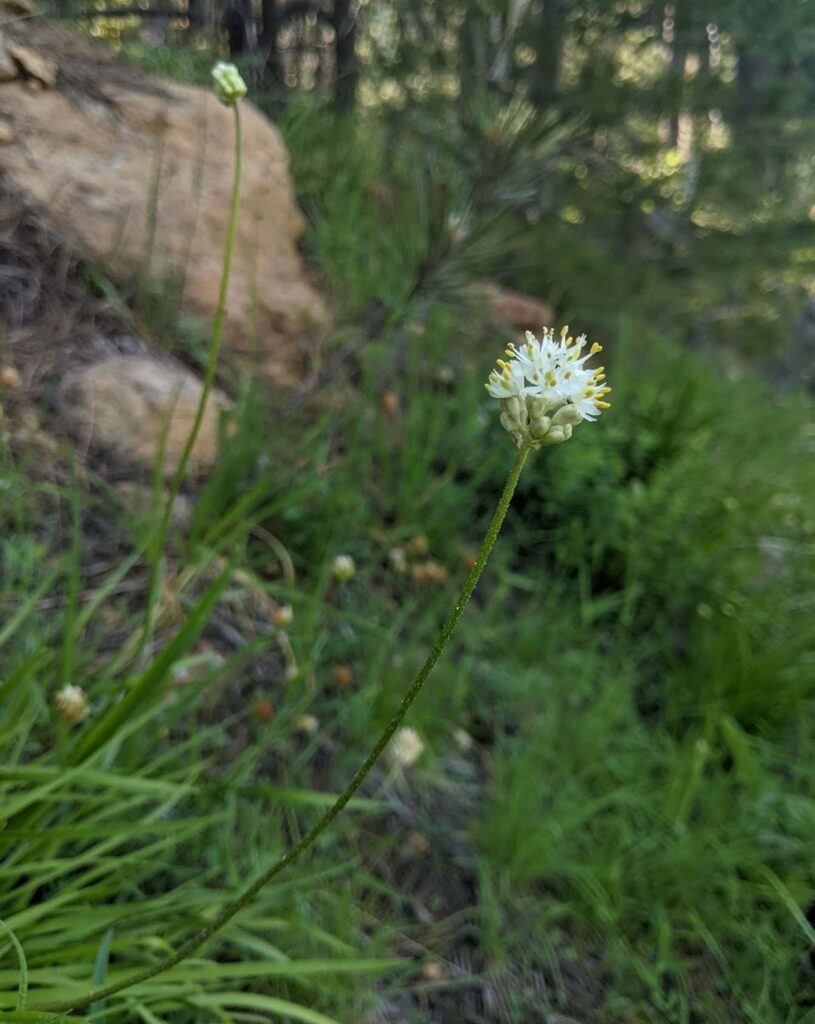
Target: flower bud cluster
{"x": 229, "y": 86}
{"x": 545, "y": 389}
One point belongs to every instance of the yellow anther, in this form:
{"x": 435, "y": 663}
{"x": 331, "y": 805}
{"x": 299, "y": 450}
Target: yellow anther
{"x": 588, "y": 392}
{"x": 569, "y": 341}
{"x": 502, "y": 364}
{"x": 564, "y": 331}
{"x": 599, "y": 376}
{"x": 595, "y": 349}
{"x": 602, "y": 405}
{"x": 605, "y": 391}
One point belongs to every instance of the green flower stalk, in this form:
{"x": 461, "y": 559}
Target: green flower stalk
{"x": 229, "y": 88}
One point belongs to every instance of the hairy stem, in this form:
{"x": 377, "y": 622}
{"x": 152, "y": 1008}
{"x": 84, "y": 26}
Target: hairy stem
{"x": 193, "y": 944}
{"x": 209, "y": 379}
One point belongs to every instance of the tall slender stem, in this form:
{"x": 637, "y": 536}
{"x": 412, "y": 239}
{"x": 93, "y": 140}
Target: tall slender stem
{"x": 209, "y": 380}
{"x": 235, "y": 906}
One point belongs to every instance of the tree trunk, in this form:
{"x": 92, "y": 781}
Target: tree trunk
{"x": 238, "y": 21}
{"x": 547, "y": 39}
{"x": 346, "y": 70}
{"x": 272, "y": 68}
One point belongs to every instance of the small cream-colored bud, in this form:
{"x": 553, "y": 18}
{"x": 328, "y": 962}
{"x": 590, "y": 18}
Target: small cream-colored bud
{"x": 462, "y": 739}
{"x": 406, "y": 747}
{"x": 398, "y": 559}
{"x": 307, "y": 724}
{"x": 537, "y": 406}
{"x": 343, "y": 568}
{"x": 71, "y": 704}
{"x": 557, "y": 435}
{"x": 514, "y": 407}
{"x": 568, "y": 414}
{"x": 418, "y": 545}
{"x": 10, "y": 378}
{"x": 539, "y": 428}
{"x": 283, "y": 616}
{"x": 229, "y": 86}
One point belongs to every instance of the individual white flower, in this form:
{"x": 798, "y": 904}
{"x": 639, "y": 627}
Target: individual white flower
{"x": 71, "y": 703}
{"x": 546, "y": 389}
{"x": 507, "y": 381}
{"x": 343, "y": 568}
{"x": 229, "y": 86}
{"x": 406, "y": 747}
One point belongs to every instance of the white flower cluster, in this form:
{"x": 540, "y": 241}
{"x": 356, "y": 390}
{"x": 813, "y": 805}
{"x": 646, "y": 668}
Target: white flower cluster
{"x": 545, "y": 388}
{"x": 229, "y": 86}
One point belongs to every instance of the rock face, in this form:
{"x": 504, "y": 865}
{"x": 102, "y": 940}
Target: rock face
{"x": 96, "y": 147}
{"x": 513, "y": 309}
{"x": 124, "y": 407}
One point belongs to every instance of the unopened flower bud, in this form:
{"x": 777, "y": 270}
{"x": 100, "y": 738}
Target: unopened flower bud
{"x": 264, "y": 709}
{"x": 406, "y": 747}
{"x": 229, "y": 86}
{"x": 539, "y": 428}
{"x": 568, "y": 414}
{"x": 343, "y": 568}
{"x": 536, "y": 406}
{"x": 398, "y": 559}
{"x": 283, "y": 616}
{"x": 343, "y": 676}
{"x": 71, "y": 703}
{"x": 307, "y": 724}
{"x": 10, "y": 378}
{"x": 513, "y": 417}
{"x": 418, "y": 545}
{"x": 557, "y": 435}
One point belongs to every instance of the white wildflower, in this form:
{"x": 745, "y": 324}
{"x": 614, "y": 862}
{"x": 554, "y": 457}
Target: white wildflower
{"x": 545, "y": 388}
{"x": 307, "y": 724}
{"x": 343, "y": 568}
{"x": 71, "y": 703}
{"x": 229, "y": 86}
{"x": 406, "y": 747}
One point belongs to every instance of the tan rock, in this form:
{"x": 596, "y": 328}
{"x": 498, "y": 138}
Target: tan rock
{"x": 115, "y": 130}
{"x": 34, "y": 65}
{"x": 8, "y": 69}
{"x": 139, "y": 501}
{"x": 513, "y": 309}
{"x": 125, "y": 406}
{"x": 6, "y": 134}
